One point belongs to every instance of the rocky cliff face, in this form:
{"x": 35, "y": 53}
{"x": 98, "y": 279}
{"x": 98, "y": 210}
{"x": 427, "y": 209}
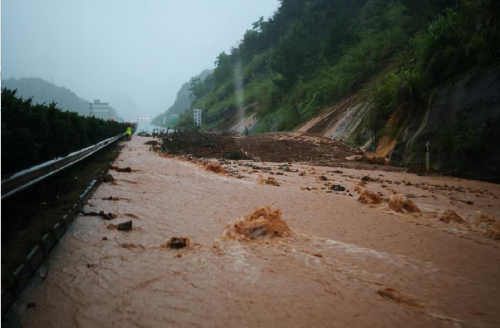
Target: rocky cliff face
{"x": 462, "y": 124}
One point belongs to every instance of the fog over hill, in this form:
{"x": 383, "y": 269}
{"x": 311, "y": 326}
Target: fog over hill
{"x": 42, "y": 91}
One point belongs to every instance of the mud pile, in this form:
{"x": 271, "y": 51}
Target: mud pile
{"x": 264, "y": 223}
{"x": 267, "y": 147}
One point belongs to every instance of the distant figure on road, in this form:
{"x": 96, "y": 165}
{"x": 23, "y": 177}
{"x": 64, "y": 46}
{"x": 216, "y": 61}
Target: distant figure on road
{"x": 128, "y": 133}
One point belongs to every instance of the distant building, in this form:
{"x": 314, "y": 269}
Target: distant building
{"x": 197, "y": 117}
{"x": 99, "y": 109}
{"x": 174, "y": 118}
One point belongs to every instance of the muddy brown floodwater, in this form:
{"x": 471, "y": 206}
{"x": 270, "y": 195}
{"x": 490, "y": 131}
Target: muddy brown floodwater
{"x": 341, "y": 263}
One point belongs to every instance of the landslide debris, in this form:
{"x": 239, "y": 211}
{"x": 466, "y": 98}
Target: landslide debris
{"x": 105, "y": 216}
{"x": 267, "y": 147}
{"x": 177, "y": 243}
{"x": 120, "y": 169}
{"x": 124, "y": 226}
{"x": 264, "y": 223}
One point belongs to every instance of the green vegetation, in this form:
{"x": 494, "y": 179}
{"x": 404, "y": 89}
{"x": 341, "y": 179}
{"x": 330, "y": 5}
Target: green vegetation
{"x": 33, "y": 134}
{"x": 458, "y": 40}
{"x": 311, "y": 54}
{"x": 182, "y": 101}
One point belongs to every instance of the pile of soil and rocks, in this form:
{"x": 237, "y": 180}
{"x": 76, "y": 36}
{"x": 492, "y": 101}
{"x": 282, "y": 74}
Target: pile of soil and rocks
{"x": 269, "y": 147}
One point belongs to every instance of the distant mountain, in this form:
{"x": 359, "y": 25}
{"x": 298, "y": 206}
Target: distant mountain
{"x": 126, "y": 106}
{"x": 182, "y": 101}
{"x": 42, "y": 91}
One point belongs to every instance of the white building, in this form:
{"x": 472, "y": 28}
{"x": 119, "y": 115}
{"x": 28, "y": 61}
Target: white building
{"x": 197, "y": 117}
{"x": 99, "y": 109}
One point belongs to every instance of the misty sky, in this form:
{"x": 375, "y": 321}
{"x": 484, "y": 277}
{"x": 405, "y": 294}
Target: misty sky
{"x": 100, "y": 49}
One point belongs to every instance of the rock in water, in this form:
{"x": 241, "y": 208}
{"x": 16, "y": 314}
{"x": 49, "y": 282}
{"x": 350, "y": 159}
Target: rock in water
{"x": 177, "y": 242}
{"x": 125, "y": 226}
{"x": 108, "y": 178}
{"x": 337, "y": 188}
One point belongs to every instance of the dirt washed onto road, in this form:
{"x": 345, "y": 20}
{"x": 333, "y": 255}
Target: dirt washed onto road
{"x": 316, "y": 257}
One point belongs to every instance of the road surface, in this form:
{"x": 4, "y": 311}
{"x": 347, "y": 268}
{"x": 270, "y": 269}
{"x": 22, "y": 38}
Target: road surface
{"x": 345, "y": 264}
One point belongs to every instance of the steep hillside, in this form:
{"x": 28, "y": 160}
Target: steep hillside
{"x": 42, "y": 91}
{"x": 183, "y": 98}
{"x": 394, "y": 56}
{"x": 461, "y": 122}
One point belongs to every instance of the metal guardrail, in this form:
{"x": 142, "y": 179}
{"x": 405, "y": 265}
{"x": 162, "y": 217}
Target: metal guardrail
{"x": 26, "y": 178}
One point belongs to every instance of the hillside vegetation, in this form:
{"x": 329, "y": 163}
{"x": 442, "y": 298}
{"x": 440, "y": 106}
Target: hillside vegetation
{"x": 311, "y": 54}
{"x": 34, "y": 133}
{"x": 183, "y": 99}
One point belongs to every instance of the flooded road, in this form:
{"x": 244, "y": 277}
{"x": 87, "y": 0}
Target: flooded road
{"x": 345, "y": 264}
